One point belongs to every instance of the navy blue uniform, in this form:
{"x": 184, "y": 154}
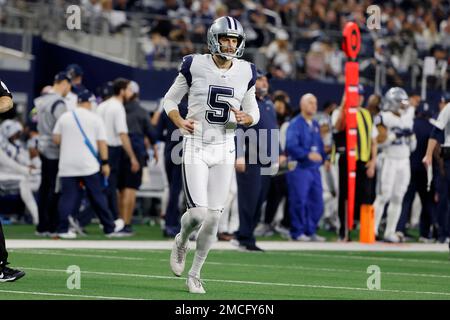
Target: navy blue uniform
{"x": 252, "y": 185}
{"x": 4, "y": 92}
{"x": 418, "y": 183}
{"x": 304, "y": 183}
{"x": 165, "y": 129}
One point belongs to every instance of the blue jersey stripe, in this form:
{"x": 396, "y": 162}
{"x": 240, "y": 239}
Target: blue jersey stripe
{"x": 185, "y": 69}
{"x": 252, "y": 81}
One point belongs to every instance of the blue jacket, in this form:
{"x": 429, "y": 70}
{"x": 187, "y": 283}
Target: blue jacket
{"x": 301, "y": 139}
{"x": 267, "y": 121}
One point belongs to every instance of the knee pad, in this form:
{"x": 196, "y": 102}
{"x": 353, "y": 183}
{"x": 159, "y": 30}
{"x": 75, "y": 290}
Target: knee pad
{"x": 198, "y": 214}
{"x": 396, "y": 198}
{"x": 211, "y": 222}
{"x": 383, "y": 198}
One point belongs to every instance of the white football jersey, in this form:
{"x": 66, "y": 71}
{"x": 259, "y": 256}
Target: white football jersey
{"x": 212, "y": 92}
{"x": 443, "y": 123}
{"x": 399, "y": 148}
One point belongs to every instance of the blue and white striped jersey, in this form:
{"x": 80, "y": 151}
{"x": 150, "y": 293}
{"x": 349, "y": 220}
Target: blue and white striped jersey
{"x": 212, "y": 92}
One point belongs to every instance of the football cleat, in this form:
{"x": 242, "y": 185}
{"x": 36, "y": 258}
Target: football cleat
{"x": 178, "y": 256}
{"x": 194, "y": 285}
{"x": 10, "y": 275}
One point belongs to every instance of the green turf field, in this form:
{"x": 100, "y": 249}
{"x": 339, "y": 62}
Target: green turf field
{"x": 144, "y": 274}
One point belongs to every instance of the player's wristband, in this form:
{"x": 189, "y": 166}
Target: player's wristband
{"x": 104, "y": 162}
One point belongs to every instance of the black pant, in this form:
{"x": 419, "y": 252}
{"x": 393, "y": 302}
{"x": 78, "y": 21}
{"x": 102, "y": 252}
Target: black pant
{"x": 277, "y": 191}
{"x": 418, "y": 183}
{"x": 3, "y": 252}
{"x": 172, "y": 217}
{"x": 114, "y": 158}
{"x": 252, "y": 192}
{"x": 48, "y": 198}
{"x": 364, "y": 191}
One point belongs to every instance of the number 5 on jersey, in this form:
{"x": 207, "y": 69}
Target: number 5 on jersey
{"x": 220, "y": 109}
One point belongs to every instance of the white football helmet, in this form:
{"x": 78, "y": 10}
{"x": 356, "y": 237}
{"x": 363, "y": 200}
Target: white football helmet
{"x": 226, "y": 26}
{"x": 395, "y": 100}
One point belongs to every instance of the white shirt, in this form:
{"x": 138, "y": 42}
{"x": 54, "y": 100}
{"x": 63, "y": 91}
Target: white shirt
{"x": 211, "y": 94}
{"x": 114, "y": 117}
{"x": 75, "y": 158}
{"x": 443, "y": 123}
{"x": 71, "y": 100}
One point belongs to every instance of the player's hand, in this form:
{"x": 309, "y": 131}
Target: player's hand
{"x": 186, "y": 124}
{"x": 242, "y": 117}
{"x": 155, "y": 153}
{"x": 135, "y": 165}
{"x": 370, "y": 166}
{"x": 282, "y": 160}
{"x": 427, "y": 160}
{"x": 240, "y": 165}
{"x": 314, "y": 156}
{"x": 327, "y": 165}
{"x": 106, "y": 170}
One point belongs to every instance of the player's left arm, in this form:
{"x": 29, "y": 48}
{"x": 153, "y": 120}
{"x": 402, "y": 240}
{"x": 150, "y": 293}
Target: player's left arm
{"x": 249, "y": 116}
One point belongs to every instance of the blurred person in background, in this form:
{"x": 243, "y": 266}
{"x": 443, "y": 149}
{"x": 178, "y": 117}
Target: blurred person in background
{"x": 50, "y": 107}
{"x": 366, "y": 159}
{"x": 278, "y": 187}
{"x": 112, "y": 112}
{"x": 422, "y": 129}
{"x": 304, "y": 144}
{"x": 139, "y": 129}
{"x": 7, "y": 274}
{"x": 441, "y": 135}
{"x": 171, "y": 136}
{"x": 16, "y": 169}
{"x": 253, "y": 184}
{"x": 75, "y": 73}
{"x": 88, "y": 168}
{"x": 396, "y": 136}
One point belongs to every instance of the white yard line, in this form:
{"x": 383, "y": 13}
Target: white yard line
{"x": 247, "y": 282}
{"x": 66, "y": 295}
{"x": 320, "y": 269}
{"x": 76, "y": 255}
{"x": 355, "y": 257}
{"x": 266, "y": 245}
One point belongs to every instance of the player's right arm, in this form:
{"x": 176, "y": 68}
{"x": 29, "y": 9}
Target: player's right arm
{"x": 437, "y": 134}
{"x": 171, "y": 100}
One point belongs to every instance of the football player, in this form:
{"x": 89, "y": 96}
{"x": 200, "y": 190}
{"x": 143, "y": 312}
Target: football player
{"x": 397, "y": 140}
{"x": 218, "y": 85}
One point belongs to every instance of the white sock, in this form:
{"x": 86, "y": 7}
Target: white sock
{"x": 393, "y": 214}
{"x": 206, "y": 237}
{"x": 28, "y": 199}
{"x": 379, "y": 205}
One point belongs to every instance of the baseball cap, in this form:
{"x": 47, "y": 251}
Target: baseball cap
{"x": 445, "y": 97}
{"x": 10, "y": 127}
{"x": 74, "y": 70}
{"x": 60, "y": 76}
{"x": 85, "y": 96}
{"x": 134, "y": 87}
{"x": 260, "y": 73}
